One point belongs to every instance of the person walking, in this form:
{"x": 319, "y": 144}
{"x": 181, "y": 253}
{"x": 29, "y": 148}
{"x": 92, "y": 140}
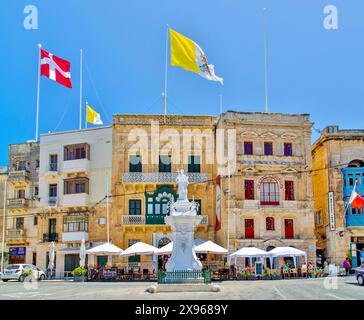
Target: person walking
{"x": 346, "y": 265}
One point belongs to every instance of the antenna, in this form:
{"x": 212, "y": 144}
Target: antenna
{"x": 266, "y": 109}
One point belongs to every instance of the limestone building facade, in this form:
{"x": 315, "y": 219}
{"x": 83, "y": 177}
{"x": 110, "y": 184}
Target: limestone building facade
{"x": 271, "y": 199}
{"x": 74, "y": 174}
{"x": 148, "y": 150}
{"x": 338, "y": 164}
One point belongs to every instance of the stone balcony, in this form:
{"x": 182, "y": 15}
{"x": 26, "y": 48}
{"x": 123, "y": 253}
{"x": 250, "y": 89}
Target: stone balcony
{"x": 255, "y": 205}
{"x": 152, "y": 220}
{"x": 74, "y": 236}
{"x": 269, "y": 160}
{"x": 15, "y": 234}
{"x": 19, "y": 176}
{"x": 75, "y": 200}
{"x": 161, "y": 177}
{"x": 76, "y": 166}
{"x": 18, "y": 203}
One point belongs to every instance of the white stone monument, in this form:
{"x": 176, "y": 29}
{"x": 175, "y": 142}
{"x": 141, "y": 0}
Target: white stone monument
{"x": 183, "y": 218}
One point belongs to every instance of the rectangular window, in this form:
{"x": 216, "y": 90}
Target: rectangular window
{"x": 52, "y": 226}
{"x": 193, "y": 163}
{"x": 53, "y": 162}
{"x": 288, "y": 228}
{"x": 21, "y": 165}
{"x": 248, "y": 147}
{"x": 73, "y": 186}
{"x": 318, "y": 217}
{"x": 53, "y": 190}
{"x": 75, "y": 223}
{"x": 249, "y": 228}
{"x": 77, "y": 151}
{"x": 288, "y": 149}
{"x": 135, "y": 163}
{"x": 289, "y": 190}
{"x": 135, "y": 207}
{"x": 21, "y": 194}
{"x": 268, "y": 148}
{"x": 36, "y": 190}
{"x": 35, "y": 221}
{"x": 37, "y": 164}
{"x": 269, "y": 193}
{"x": 165, "y": 164}
{"x": 249, "y": 189}
{"x": 19, "y": 223}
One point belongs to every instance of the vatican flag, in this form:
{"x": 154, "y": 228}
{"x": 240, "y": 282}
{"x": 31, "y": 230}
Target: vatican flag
{"x": 187, "y": 54}
{"x": 92, "y": 116}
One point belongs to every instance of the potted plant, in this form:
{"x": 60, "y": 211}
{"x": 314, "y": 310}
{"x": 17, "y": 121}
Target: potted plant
{"x": 241, "y": 275}
{"x": 26, "y": 273}
{"x": 276, "y": 275}
{"x": 267, "y": 274}
{"x": 79, "y": 274}
{"x": 250, "y": 276}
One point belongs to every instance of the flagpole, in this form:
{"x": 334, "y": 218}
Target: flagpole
{"x": 266, "y": 109}
{"x": 38, "y": 90}
{"x": 86, "y": 115}
{"x": 166, "y": 76}
{"x": 3, "y": 231}
{"x": 81, "y": 53}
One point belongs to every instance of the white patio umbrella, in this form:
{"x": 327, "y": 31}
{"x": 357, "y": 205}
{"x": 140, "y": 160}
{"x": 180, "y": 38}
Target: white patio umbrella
{"x": 210, "y": 247}
{"x": 287, "y": 252}
{"x": 105, "y": 249}
{"x": 165, "y": 250}
{"x": 249, "y": 252}
{"x": 168, "y": 248}
{"x": 51, "y": 256}
{"x": 82, "y": 254}
{"x": 138, "y": 249}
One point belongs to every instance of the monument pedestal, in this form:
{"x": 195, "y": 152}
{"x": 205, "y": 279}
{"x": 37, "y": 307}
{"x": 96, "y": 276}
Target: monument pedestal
{"x": 183, "y": 256}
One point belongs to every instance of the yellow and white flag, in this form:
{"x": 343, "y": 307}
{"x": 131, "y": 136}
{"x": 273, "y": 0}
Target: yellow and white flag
{"x": 187, "y": 54}
{"x": 92, "y": 116}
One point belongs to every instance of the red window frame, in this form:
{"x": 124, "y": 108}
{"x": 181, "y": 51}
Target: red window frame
{"x": 249, "y": 189}
{"x": 289, "y": 190}
{"x": 269, "y": 193}
{"x": 288, "y": 228}
{"x": 269, "y": 224}
{"x": 268, "y": 148}
{"x": 288, "y": 149}
{"x": 248, "y": 147}
{"x": 249, "y": 228}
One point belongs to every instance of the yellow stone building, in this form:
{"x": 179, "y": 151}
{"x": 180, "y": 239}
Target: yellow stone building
{"x": 3, "y": 180}
{"x": 338, "y": 161}
{"x": 22, "y": 202}
{"x": 148, "y": 150}
{"x": 271, "y": 200}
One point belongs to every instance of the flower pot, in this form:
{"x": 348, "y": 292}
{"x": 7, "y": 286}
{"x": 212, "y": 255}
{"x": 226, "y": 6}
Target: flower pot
{"x": 79, "y": 278}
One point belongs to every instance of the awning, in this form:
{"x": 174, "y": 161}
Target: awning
{"x": 210, "y": 247}
{"x": 139, "y": 248}
{"x": 106, "y": 249}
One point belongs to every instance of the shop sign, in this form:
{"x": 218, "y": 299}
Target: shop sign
{"x": 17, "y": 251}
{"x": 331, "y": 211}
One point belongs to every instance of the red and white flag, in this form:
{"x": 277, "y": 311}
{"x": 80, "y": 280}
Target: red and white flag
{"x": 356, "y": 200}
{"x": 55, "y": 68}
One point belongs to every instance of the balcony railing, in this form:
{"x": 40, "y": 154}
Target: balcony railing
{"x": 49, "y": 237}
{"x": 132, "y": 219}
{"x": 53, "y": 167}
{"x": 52, "y": 201}
{"x": 151, "y": 219}
{"x": 15, "y": 234}
{"x": 18, "y": 203}
{"x": 168, "y": 177}
{"x": 19, "y": 175}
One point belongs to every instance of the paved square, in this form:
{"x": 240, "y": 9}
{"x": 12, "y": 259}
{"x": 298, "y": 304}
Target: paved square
{"x": 345, "y": 288}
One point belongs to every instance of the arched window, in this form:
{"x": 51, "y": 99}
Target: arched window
{"x": 269, "y": 223}
{"x": 356, "y": 163}
{"x": 269, "y": 192}
{"x": 163, "y": 241}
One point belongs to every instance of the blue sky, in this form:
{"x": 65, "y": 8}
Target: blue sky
{"x": 311, "y": 69}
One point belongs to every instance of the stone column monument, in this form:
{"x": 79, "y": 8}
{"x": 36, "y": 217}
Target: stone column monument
{"x": 183, "y": 218}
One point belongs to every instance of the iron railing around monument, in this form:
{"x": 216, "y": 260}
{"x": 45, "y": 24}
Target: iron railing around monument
{"x": 184, "y": 276}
